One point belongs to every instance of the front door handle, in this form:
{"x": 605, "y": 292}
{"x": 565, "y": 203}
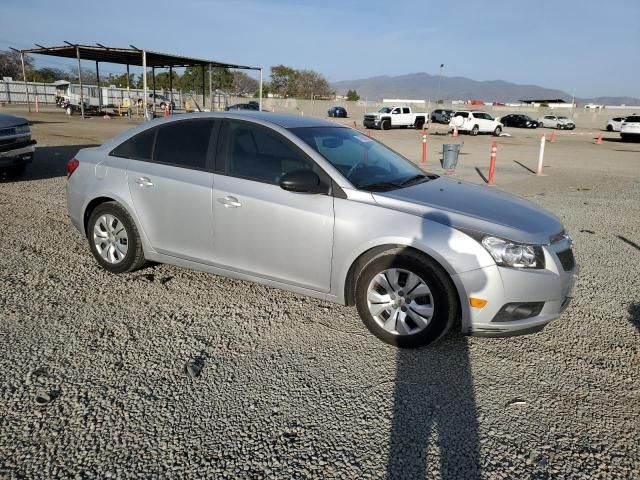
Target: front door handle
{"x": 144, "y": 182}
{"x": 229, "y": 202}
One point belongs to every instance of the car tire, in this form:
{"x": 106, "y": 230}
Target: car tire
{"x": 439, "y": 297}
{"x": 385, "y": 125}
{"x": 609, "y": 128}
{"x": 162, "y": 106}
{"x": 623, "y": 137}
{"x": 419, "y": 124}
{"x": 541, "y": 125}
{"x": 69, "y": 111}
{"x": 475, "y": 130}
{"x": 497, "y": 131}
{"x": 110, "y": 217}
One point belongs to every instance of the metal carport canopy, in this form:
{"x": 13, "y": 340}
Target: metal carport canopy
{"x": 133, "y": 56}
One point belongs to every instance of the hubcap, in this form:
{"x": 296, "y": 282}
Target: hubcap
{"x": 400, "y": 301}
{"x": 110, "y": 238}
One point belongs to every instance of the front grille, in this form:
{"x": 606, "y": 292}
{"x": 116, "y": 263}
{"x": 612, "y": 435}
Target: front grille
{"x": 567, "y": 260}
{"x": 5, "y": 132}
{"x": 371, "y": 118}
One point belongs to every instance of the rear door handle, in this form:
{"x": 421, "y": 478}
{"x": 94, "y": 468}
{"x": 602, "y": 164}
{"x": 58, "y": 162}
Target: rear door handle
{"x": 229, "y": 202}
{"x": 144, "y": 182}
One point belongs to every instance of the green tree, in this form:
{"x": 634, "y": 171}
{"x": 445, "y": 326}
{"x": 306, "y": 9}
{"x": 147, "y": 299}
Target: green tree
{"x": 11, "y": 66}
{"x": 352, "y": 96}
{"x": 243, "y": 84}
{"x": 283, "y": 80}
{"x": 310, "y": 83}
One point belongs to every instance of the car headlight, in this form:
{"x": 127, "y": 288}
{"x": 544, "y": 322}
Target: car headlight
{"x": 23, "y": 129}
{"x": 511, "y": 254}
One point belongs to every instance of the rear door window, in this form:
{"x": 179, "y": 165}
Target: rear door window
{"x": 405, "y": 110}
{"x": 138, "y": 147}
{"x": 184, "y": 144}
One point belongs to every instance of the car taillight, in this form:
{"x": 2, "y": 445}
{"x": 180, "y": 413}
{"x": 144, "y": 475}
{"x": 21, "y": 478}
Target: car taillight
{"x": 71, "y": 166}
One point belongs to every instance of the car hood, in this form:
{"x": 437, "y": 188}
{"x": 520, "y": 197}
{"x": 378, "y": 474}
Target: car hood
{"x": 376, "y": 113}
{"x": 11, "y": 121}
{"x": 474, "y": 207}
{"x": 565, "y": 120}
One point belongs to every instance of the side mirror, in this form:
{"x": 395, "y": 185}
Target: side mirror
{"x": 303, "y": 181}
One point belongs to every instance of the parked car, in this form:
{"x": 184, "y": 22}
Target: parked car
{"x": 475, "y": 122}
{"x": 321, "y": 209}
{"x": 553, "y": 121}
{"x": 154, "y": 99}
{"x": 16, "y": 146}
{"x": 630, "y": 128}
{"x": 441, "y": 115}
{"x": 614, "y": 124}
{"x": 518, "y": 121}
{"x": 390, "y": 117}
{"x": 253, "y": 106}
{"x": 337, "y": 112}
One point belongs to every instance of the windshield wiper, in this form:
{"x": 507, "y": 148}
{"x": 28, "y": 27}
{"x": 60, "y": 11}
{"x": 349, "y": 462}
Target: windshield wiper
{"x": 413, "y": 179}
{"x": 380, "y": 186}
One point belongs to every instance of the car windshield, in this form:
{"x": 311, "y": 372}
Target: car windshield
{"x": 367, "y": 164}
{"x": 384, "y": 110}
{"x": 563, "y": 118}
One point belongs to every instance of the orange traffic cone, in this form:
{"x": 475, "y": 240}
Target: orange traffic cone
{"x": 553, "y": 137}
{"x": 455, "y": 131}
{"x": 166, "y": 110}
{"x": 599, "y": 142}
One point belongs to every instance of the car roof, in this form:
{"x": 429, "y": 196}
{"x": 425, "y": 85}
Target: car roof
{"x": 280, "y": 119}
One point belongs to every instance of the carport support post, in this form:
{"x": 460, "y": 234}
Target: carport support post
{"x": 210, "y": 91}
{"x": 153, "y": 84}
{"x": 99, "y": 89}
{"x": 144, "y": 83}
{"x": 80, "y": 82}
{"x": 203, "y": 92}
{"x": 171, "y": 88}
{"x": 260, "y": 94}
{"x": 24, "y": 79}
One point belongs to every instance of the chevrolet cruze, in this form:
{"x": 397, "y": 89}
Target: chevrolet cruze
{"x": 322, "y": 210}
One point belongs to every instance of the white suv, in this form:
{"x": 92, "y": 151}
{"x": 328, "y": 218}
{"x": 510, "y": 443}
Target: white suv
{"x": 630, "y": 128}
{"x": 475, "y": 122}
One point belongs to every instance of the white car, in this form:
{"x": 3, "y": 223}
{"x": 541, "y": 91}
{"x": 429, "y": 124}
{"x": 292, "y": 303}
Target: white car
{"x": 630, "y": 128}
{"x": 553, "y": 121}
{"x": 474, "y": 122}
{"x": 613, "y": 125}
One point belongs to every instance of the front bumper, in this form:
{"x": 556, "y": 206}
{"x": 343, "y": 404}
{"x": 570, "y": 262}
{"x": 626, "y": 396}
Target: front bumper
{"x": 17, "y": 156}
{"x": 500, "y": 286}
{"x": 371, "y": 122}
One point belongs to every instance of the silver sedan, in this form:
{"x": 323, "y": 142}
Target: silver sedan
{"x": 320, "y": 209}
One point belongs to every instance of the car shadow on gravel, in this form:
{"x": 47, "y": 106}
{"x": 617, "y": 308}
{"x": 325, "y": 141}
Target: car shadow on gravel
{"x": 435, "y": 421}
{"x": 48, "y": 162}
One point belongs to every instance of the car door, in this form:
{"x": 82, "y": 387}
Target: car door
{"x": 406, "y": 117}
{"x": 396, "y": 116}
{"x": 172, "y": 191}
{"x": 261, "y": 229}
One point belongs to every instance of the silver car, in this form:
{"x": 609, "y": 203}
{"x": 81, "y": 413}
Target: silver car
{"x": 320, "y": 209}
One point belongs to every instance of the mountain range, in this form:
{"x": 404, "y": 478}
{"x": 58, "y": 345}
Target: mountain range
{"x": 425, "y": 86}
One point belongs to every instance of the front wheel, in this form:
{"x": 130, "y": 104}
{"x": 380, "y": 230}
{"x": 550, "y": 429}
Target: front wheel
{"x": 541, "y": 125}
{"x": 385, "y": 124}
{"x": 497, "y": 131}
{"x": 405, "y": 298}
{"x": 609, "y": 128}
{"x": 114, "y": 239}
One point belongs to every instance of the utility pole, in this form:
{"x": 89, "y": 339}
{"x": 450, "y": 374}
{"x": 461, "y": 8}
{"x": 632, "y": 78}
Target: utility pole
{"x": 439, "y": 81}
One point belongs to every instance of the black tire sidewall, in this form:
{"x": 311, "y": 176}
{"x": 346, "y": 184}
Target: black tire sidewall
{"x": 132, "y": 233}
{"x": 444, "y": 297}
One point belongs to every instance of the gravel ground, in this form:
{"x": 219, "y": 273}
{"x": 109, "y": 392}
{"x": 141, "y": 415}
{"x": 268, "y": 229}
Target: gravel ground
{"x": 170, "y": 373}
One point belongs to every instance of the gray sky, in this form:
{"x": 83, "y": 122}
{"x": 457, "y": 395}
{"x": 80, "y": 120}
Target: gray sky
{"x": 588, "y": 47}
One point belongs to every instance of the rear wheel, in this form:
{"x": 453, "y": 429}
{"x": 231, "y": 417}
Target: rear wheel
{"x": 475, "y": 130}
{"x": 114, "y": 239}
{"x": 405, "y": 298}
{"x": 419, "y": 124}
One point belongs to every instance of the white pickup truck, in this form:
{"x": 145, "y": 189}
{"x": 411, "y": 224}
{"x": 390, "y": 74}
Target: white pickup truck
{"x": 389, "y": 117}
{"x": 474, "y": 122}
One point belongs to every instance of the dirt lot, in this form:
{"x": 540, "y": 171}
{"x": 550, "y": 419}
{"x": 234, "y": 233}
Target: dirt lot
{"x": 93, "y": 365}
